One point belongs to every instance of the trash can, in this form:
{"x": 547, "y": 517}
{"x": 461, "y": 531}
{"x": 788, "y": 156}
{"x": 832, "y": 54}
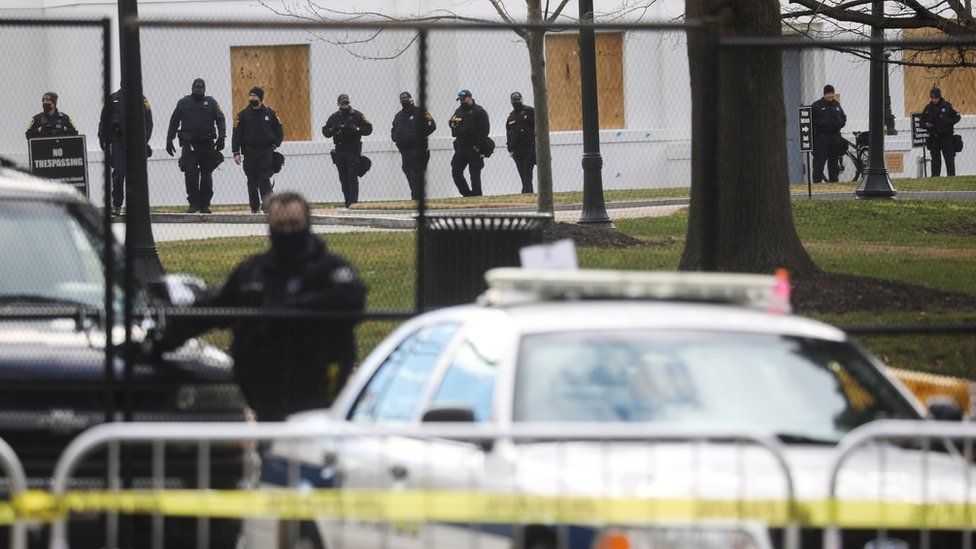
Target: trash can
{"x": 460, "y": 246}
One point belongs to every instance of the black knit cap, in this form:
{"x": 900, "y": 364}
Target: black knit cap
{"x": 199, "y": 83}
{"x": 52, "y": 96}
{"x": 258, "y": 92}
{"x": 828, "y": 89}
{"x": 936, "y": 92}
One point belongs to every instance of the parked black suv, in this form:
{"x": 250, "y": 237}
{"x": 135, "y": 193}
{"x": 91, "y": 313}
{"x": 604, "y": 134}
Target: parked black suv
{"x": 52, "y": 371}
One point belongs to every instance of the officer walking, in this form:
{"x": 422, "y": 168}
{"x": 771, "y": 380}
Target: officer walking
{"x": 520, "y": 134}
{"x": 50, "y": 122}
{"x": 257, "y": 133}
{"x": 282, "y": 366}
{"x": 469, "y": 127}
{"x": 411, "y": 126}
{"x": 828, "y": 119}
{"x": 110, "y": 139}
{"x": 193, "y": 121}
{"x": 346, "y": 127}
{"x": 940, "y": 119}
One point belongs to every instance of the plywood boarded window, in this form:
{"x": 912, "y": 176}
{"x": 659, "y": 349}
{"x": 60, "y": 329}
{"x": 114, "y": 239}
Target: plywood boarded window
{"x": 958, "y": 84}
{"x": 282, "y": 72}
{"x": 563, "y": 76}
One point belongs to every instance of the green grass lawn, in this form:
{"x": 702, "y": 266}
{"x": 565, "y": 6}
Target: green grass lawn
{"x": 896, "y": 240}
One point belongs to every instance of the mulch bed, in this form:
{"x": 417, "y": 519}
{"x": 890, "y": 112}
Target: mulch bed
{"x": 588, "y": 236}
{"x": 843, "y": 293}
{"x": 956, "y": 230}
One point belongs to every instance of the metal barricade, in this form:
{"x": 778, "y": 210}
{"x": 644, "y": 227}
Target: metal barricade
{"x": 17, "y": 485}
{"x": 208, "y": 435}
{"x": 915, "y": 513}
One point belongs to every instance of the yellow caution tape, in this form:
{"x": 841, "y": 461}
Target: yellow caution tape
{"x": 378, "y": 506}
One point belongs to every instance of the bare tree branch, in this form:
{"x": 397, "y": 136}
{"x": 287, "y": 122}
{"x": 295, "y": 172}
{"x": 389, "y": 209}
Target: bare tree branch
{"x": 555, "y": 14}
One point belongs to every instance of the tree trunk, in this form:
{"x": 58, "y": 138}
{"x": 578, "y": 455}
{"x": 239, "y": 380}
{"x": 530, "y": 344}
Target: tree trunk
{"x": 535, "y": 40}
{"x": 755, "y": 219}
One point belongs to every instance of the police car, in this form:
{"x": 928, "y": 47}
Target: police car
{"x": 692, "y": 352}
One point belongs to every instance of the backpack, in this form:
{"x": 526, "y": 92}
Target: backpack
{"x": 487, "y": 147}
{"x": 957, "y": 142}
{"x": 277, "y": 161}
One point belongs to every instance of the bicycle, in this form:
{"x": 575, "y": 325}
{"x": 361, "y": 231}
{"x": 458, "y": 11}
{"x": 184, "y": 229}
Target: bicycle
{"x": 857, "y": 153}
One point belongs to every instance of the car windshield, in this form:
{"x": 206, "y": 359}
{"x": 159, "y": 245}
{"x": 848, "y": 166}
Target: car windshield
{"x": 48, "y": 256}
{"x": 795, "y": 388}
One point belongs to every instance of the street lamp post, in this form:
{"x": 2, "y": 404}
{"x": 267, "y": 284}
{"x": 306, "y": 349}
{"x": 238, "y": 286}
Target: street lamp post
{"x": 875, "y": 182}
{"x": 594, "y": 209}
{"x": 889, "y": 117}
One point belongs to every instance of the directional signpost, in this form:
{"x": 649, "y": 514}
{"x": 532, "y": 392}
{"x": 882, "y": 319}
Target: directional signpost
{"x": 806, "y": 142}
{"x": 920, "y": 135}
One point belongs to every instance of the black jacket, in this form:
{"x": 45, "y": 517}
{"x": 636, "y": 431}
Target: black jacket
{"x": 346, "y": 127}
{"x": 256, "y": 128}
{"x": 56, "y": 125}
{"x": 469, "y": 126}
{"x": 411, "y": 126}
{"x": 113, "y": 117}
{"x": 282, "y": 366}
{"x": 520, "y": 130}
{"x": 195, "y": 120}
{"x": 942, "y": 117}
{"x": 828, "y": 116}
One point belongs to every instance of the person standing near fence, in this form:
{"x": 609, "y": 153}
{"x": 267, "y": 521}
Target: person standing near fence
{"x": 193, "y": 121}
{"x": 411, "y": 127}
{"x": 110, "y": 127}
{"x": 940, "y": 119}
{"x": 283, "y": 365}
{"x": 50, "y": 122}
{"x": 257, "y": 133}
{"x": 346, "y": 127}
{"x": 469, "y": 127}
{"x": 828, "y": 119}
{"x": 520, "y": 138}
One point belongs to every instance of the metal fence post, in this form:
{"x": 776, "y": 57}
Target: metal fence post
{"x": 421, "y": 279}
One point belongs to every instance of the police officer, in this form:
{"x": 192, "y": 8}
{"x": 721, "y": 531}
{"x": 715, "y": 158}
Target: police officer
{"x": 257, "y": 133}
{"x": 940, "y": 119}
{"x": 346, "y": 127}
{"x": 195, "y": 117}
{"x": 411, "y": 126}
{"x": 282, "y": 366}
{"x": 520, "y": 137}
{"x": 110, "y": 139}
{"x": 50, "y": 122}
{"x": 828, "y": 119}
{"x": 469, "y": 127}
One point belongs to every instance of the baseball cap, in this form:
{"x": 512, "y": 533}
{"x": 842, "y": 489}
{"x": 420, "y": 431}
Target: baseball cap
{"x": 343, "y": 99}
{"x": 516, "y": 95}
{"x": 463, "y": 94}
{"x": 405, "y": 95}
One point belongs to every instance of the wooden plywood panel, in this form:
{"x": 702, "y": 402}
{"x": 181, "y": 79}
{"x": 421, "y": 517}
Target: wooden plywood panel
{"x": 895, "y": 162}
{"x": 282, "y": 71}
{"x": 563, "y": 77}
{"x": 958, "y": 85}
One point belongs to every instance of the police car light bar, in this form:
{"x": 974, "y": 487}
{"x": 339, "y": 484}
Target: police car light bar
{"x": 508, "y": 286}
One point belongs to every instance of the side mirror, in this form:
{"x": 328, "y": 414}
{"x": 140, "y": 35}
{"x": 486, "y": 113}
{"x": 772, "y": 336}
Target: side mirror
{"x": 179, "y": 290}
{"x": 453, "y": 414}
{"x": 944, "y": 408}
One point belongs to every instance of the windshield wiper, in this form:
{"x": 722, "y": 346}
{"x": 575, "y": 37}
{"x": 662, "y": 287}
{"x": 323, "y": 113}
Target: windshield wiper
{"x": 799, "y": 438}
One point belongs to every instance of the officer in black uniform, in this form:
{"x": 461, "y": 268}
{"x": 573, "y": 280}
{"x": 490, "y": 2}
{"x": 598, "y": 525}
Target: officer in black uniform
{"x": 940, "y": 119}
{"x": 411, "y": 126}
{"x": 469, "y": 127}
{"x": 282, "y": 366}
{"x": 110, "y": 139}
{"x": 50, "y": 122}
{"x": 520, "y": 138}
{"x": 257, "y": 133}
{"x": 828, "y": 119}
{"x": 346, "y": 127}
{"x": 195, "y": 117}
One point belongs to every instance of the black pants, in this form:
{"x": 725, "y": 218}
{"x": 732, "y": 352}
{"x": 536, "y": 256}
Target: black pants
{"x": 942, "y": 143}
{"x": 827, "y": 147}
{"x": 347, "y": 164}
{"x": 118, "y": 173}
{"x": 257, "y": 167}
{"x": 414, "y": 164}
{"x": 199, "y": 180}
{"x": 467, "y": 157}
{"x": 525, "y": 163}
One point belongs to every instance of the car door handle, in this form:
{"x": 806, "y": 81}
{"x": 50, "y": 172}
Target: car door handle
{"x": 398, "y": 472}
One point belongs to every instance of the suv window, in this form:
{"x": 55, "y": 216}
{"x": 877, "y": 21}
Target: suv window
{"x": 394, "y": 390}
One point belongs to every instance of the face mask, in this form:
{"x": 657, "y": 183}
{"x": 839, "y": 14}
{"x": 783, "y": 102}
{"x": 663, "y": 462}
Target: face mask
{"x": 46, "y": 107}
{"x": 405, "y": 103}
{"x": 517, "y": 104}
{"x": 289, "y": 246}
{"x": 198, "y": 93}
{"x": 254, "y": 102}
